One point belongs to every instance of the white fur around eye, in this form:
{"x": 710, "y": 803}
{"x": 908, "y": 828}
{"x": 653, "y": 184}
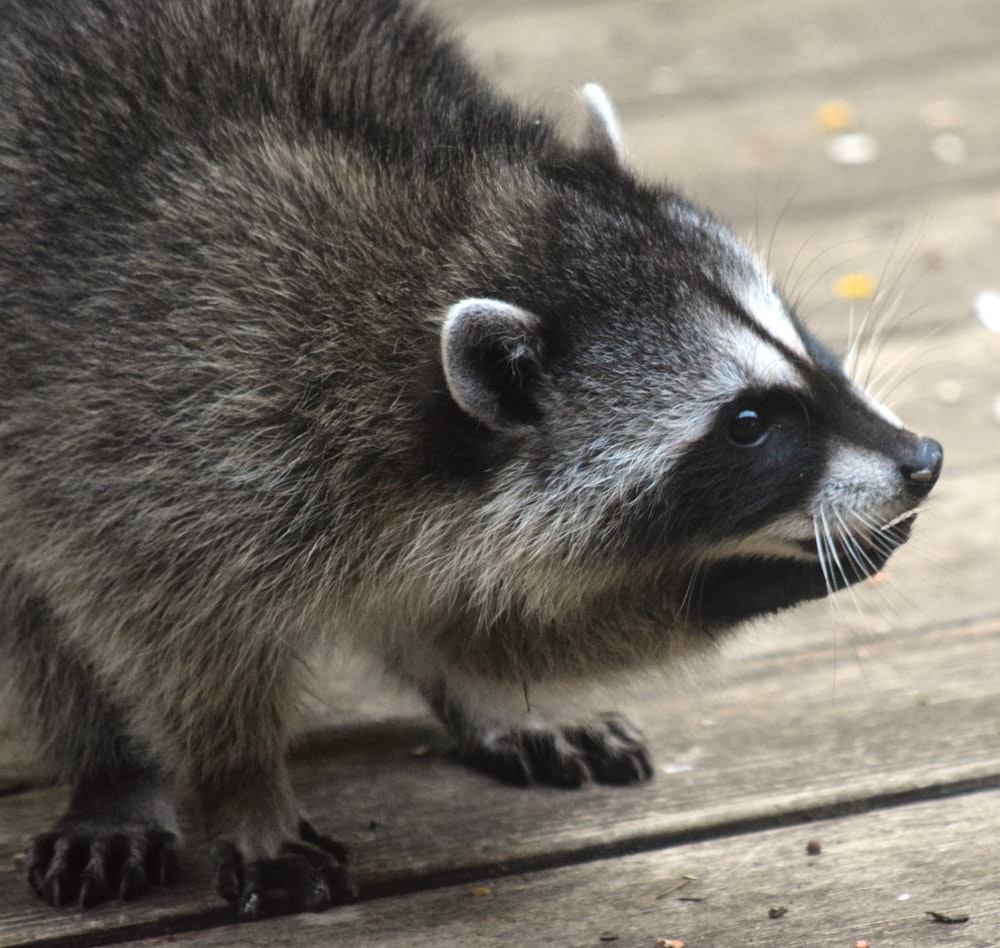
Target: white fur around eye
{"x": 748, "y": 360}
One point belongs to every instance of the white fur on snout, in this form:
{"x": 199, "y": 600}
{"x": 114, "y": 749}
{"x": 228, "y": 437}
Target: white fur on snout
{"x": 861, "y": 481}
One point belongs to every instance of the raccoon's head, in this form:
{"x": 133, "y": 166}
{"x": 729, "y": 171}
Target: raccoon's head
{"x": 670, "y": 435}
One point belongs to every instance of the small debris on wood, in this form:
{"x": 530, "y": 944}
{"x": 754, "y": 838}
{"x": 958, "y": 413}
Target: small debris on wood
{"x": 854, "y": 286}
{"x": 835, "y": 116}
{"x": 685, "y": 881}
{"x": 946, "y": 919}
{"x": 480, "y": 890}
{"x": 813, "y": 847}
{"x": 933, "y": 258}
{"x": 669, "y": 943}
{"x": 949, "y": 148}
{"x": 950, "y": 391}
{"x": 777, "y": 911}
{"x": 852, "y": 148}
{"x": 987, "y": 307}
{"x": 942, "y": 113}
{"x": 861, "y": 943}
{"x": 608, "y": 936}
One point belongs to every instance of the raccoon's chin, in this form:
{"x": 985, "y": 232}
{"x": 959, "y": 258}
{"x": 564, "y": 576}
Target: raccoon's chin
{"x": 851, "y": 556}
{"x": 740, "y": 587}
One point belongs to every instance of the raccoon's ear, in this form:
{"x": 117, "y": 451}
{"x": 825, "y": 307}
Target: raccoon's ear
{"x": 604, "y": 135}
{"x": 491, "y": 354}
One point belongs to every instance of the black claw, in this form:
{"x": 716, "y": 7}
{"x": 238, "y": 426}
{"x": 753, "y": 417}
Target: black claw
{"x": 93, "y": 891}
{"x": 338, "y": 850}
{"x": 250, "y": 904}
{"x": 554, "y": 761}
{"x": 503, "y": 759}
{"x": 39, "y": 857}
{"x": 164, "y": 864}
{"x": 63, "y": 880}
{"x": 134, "y": 880}
{"x": 228, "y": 871}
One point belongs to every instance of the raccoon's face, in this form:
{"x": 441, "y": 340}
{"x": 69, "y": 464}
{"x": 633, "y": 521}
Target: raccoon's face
{"x": 672, "y": 411}
{"x": 663, "y": 419}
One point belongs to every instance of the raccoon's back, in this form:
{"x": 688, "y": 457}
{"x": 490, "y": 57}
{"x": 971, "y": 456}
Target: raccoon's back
{"x": 113, "y": 80}
{"x": 116, "y": 117}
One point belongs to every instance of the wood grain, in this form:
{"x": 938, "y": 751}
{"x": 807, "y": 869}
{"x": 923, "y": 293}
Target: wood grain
{"x": 873, "y": 880}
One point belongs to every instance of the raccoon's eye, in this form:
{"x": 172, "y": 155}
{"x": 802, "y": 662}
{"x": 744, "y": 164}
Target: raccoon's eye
{"x": 748, "y": 428}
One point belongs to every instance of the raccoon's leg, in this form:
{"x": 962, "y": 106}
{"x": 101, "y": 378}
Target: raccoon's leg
{"x": 119, "y": 835}
{"x": 521, "y": 747}
{"x": 266, "y": 856}
{"x": 223, "y": 730}
{"x": 221, "y": 695}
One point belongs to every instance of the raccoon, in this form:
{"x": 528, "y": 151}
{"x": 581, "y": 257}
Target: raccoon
{"x": 307, "y": 334}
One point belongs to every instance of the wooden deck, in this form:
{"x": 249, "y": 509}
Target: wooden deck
{"x": 870, "y": 725}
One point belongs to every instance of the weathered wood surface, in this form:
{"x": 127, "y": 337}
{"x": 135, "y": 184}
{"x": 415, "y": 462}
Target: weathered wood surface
{"x": 866, "y": 884}
{"x": 841, "y": 712}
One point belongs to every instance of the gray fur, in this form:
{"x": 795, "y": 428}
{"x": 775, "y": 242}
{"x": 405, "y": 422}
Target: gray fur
{"x": 236, "y": 417}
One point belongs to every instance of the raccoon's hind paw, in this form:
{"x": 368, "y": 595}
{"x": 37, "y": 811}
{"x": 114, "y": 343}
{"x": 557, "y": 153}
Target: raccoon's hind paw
{"x": 87, "y": 865}
{"x": 607, "y": 750}
{"x": 309, "y": 874}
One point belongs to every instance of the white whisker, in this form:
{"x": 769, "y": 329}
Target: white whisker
{"x": 684, "y": 609}
{"x": 831, "y": 540}
{"x": 865, "y": 565}
{"x": 821, "y": 553}
{"x": 901, "y": 365}
{"x": 905, "y": 515}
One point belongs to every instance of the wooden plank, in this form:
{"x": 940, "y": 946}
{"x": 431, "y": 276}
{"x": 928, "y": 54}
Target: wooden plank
{"x": 788, "y": 737}
{"x": 928, "y": 264}
{"x": 877, "y": 877}
{"x": 768, "y": 148}
{"x": 674, "y": 52}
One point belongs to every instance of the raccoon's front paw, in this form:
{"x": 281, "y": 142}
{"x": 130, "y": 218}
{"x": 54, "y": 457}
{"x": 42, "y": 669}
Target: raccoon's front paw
{"x": 309, "y": 874}
{"x": 607, "y": 750}
{"x": 87, "y": 864}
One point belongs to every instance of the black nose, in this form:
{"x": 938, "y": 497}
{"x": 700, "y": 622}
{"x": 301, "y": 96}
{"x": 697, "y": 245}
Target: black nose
{"x": 923, "y": 467}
